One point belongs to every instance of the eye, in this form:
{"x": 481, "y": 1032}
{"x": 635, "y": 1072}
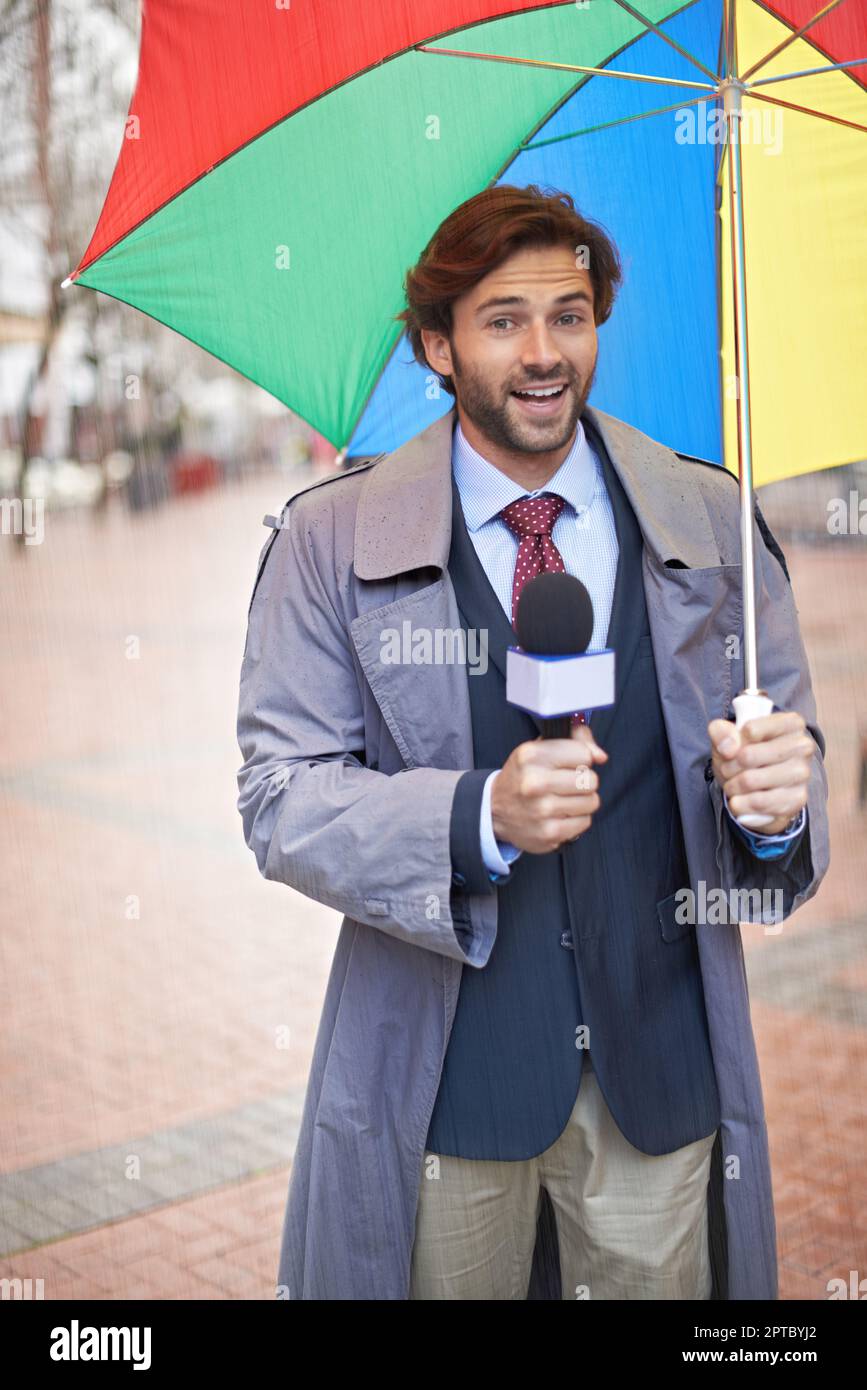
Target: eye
{"x": 578, "y": 318}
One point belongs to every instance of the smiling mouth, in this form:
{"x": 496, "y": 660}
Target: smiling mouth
{"x": 541, "y": 400}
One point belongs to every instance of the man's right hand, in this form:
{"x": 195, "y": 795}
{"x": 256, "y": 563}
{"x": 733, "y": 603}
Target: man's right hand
{"x": 545, "y": 794}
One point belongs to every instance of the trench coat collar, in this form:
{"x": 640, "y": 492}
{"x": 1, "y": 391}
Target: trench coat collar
{"x": 404, "y": 513}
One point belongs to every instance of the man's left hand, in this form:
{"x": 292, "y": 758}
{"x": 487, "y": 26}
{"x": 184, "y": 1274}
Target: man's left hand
{"x": 764, "y": 765}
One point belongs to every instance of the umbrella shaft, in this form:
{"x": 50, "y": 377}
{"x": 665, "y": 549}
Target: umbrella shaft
{"x": 732, "y": 102}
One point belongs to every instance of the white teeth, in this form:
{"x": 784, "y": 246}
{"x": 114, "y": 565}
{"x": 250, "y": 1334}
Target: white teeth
{"x": 551, "y": 391}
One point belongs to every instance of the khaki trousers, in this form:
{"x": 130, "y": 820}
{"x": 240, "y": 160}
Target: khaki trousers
{"x": 629, "y": 1224}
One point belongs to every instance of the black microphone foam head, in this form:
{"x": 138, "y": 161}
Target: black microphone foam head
{"x": 555, "y": 615}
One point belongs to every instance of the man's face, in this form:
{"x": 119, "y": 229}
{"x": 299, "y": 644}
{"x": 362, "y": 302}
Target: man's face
{"x": 528, "y": 324}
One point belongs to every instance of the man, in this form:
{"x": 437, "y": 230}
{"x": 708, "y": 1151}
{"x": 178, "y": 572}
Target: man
{"x": 534, "y": 1075}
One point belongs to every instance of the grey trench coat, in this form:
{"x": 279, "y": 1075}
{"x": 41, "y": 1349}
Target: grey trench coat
{"x": 350, "y": 766}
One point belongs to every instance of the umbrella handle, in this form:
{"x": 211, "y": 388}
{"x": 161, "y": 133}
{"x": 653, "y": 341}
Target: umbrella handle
{"x": 750, "y": 705}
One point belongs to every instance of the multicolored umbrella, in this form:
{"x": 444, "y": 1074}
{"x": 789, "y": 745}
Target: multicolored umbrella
{"x": 283, "y": 164}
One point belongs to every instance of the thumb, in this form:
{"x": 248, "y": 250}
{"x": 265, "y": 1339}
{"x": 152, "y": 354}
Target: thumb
{"x": 585, "y": 734}
{"x": 724, "y": 736}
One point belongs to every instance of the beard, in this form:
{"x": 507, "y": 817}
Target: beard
{"x": 497, "y": 415}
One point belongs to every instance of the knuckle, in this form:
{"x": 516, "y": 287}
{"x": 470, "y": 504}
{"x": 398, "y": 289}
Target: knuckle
{"x": 529, "y": 782}
{"x": 523, "y": 754}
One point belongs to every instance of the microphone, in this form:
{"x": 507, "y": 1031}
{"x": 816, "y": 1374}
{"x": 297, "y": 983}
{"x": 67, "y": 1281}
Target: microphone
{"x": 550, "y": 673}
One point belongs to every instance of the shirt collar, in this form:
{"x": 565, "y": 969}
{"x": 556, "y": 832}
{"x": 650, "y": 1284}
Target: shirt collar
{"x": 485, "y": 490}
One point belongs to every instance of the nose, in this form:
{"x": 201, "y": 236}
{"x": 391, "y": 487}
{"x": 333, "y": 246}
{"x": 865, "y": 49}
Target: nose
{"x": 540, "y": 350}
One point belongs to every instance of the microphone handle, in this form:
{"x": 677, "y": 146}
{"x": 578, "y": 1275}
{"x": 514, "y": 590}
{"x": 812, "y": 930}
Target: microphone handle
{"x": 558, "y": 727}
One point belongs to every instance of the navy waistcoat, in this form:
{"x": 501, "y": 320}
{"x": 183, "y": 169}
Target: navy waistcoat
{"x": 586, "y": 934}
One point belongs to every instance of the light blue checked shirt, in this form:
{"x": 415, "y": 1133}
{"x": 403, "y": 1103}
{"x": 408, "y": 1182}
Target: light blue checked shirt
{"x": 586, "y": 537}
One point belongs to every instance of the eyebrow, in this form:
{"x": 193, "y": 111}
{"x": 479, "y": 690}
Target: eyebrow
{"x": 519, "y": 299}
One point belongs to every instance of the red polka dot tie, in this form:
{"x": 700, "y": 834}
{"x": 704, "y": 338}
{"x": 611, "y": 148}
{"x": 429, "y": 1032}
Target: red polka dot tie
{"x": 532, "y": 519}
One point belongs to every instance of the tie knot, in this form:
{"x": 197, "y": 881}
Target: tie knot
{"x": 533, "y": 516}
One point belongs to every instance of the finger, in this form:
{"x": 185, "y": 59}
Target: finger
{"x": 759, "y": 779}
{"x": 566, "y": 752}
{"x": 764, "y": 754}
{"x": 572, "y": 829}
{"x": 775, "y": 750}
{"x": 559, "y": 782}
{"x": 723, "y": 731}
{"x": 782, "y": 801}
{"x": 584, "y": 734}
{"x": 727, "y": 767}
{"x": 567, "y": 807}
{"x": 771, "y": 725}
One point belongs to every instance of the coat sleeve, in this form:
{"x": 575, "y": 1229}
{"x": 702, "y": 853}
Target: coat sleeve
{"x": 784, "y": 673}
{"x": 373, "y": 846}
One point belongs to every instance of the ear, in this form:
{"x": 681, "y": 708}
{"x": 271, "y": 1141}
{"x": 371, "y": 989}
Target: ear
{"x": 437, "y": 351}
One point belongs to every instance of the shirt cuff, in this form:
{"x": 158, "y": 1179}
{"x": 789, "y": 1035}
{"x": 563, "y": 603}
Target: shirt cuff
{"x": 769, "y": 846}
{"x": 469, "y": 872}
{"x": 497, "y": 854}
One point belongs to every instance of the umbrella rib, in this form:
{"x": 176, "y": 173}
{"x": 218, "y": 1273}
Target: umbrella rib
{"x": 807, "y": 110}
{"x": 684, "y": 52}
{"x": 796, "y": 34}
{"x": 606, "y": 125}
{"x": 807, "y": 72}
{"x": 728, "y": 37}
{"x": 568, "y": 67}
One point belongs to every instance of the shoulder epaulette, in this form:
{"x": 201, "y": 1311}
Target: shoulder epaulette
{"x": 277, "y": 521}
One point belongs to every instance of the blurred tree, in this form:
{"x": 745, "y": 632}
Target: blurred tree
{"x": 68, "y": 71}
{"x": 60, "y": 121}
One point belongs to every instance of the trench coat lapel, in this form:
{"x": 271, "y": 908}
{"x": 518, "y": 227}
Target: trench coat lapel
{"x": 625, "y": 624}
{"x": 479, "y": 603}
{"x": 403, "y": 527}
{"x": 402, "y": 534}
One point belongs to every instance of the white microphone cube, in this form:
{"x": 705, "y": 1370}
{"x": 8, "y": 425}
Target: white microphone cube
{"x": 549, "y": 686}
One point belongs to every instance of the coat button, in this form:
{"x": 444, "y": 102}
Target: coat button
{"x": 458, "y": 880}
{"x": 566, "y": 940}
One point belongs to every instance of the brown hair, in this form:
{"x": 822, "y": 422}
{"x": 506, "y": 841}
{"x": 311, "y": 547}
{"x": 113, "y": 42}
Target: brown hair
{"x": 482, "y": 233}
